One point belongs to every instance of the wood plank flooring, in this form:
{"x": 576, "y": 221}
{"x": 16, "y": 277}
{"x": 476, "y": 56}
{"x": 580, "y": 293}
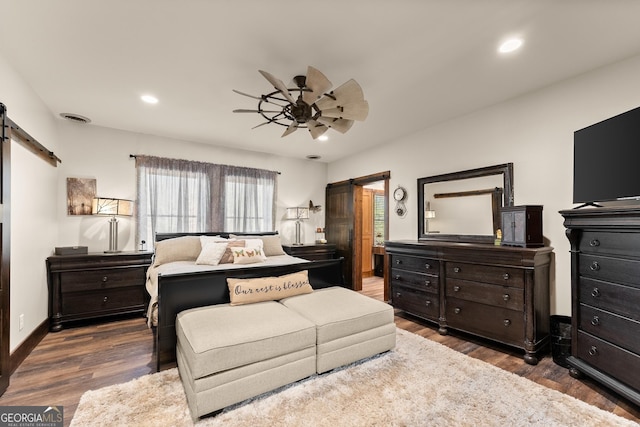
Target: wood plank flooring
{"x": 67, "y": 363}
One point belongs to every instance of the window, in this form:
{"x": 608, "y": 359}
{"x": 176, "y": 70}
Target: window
{"x": 185, "y": 196}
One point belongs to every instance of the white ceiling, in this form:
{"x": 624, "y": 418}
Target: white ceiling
{"x": 419, "y": 62}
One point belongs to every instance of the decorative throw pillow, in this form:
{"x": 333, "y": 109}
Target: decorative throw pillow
{"x": 227, "y": 258}
{"x": 272, "y": 243}
{"x": 247, "y": 255}
{"x": 256, "y": 244}
{"x": 211, "y": 253}
{"x": 247, "y": 291}
{"x": 185, "y": 248}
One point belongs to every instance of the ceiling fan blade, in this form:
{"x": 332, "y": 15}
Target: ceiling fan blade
{"x": 354, "y": 111}
{"x": 242, "y": 110}
{"x": 341, "y": 125}
{"x": 277, "y": 83}
{"x": 246, "y": 94}
{"x": 291, "y": 129}
{"x": 261, "y": 124}
{"x": 346, "y": 93}
{"x": 316, "y": 129}
{"x": 318, "y": 83}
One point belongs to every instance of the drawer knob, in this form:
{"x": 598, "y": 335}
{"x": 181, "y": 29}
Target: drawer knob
{"x": 506, "y": 322}
{"x": 104, "y": 278}
{"x": 594, "y": 243}
{"x": 427, "y": 303}
{"x": 595, "y": 321}
{"x": 427, "y": 283}
{"x": 505, "y": 276}
{"x": 593, "y": 350}
{"x": 398, "y": 261}
{"x": 398, "y": 294}
{"x": 594, "y": 266}
{"x": 506, "y": 297}
{"x": 427, "y": 266}
{"x": 456, "y": 269}
{"x": 456, "y": 289}
{"x": 595, "y": 292}
{"x": 105, "y": 299}
{"x": 397, "y": 277}
{"x": 457, "y": 310}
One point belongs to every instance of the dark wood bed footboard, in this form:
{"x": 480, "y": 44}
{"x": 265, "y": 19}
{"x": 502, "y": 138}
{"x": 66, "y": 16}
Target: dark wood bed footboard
{"x": 180, "y": 292}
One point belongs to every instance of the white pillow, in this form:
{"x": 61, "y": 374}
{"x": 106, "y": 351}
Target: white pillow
{"x": 211, "y": 253}
{"x": 256, "y": 244}
{"x": 247, "y": 255}
{"x": 211, "y": 239}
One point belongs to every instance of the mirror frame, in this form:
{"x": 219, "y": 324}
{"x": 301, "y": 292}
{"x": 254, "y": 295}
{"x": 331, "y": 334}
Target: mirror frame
{"x": 506, "y": 170}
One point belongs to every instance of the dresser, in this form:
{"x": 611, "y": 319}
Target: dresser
{"x": 95, "y": 285}
{"x": 312, "y": 252}
{"x": 605, "y": 296}
{"x": 495, "y": 292}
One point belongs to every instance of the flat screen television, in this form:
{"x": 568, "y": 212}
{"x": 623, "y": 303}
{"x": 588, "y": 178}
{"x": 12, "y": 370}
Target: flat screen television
{"x": 606, "y": 160}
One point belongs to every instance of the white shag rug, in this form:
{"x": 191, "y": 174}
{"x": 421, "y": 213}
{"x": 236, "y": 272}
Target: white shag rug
{"x": 419, "y": 383}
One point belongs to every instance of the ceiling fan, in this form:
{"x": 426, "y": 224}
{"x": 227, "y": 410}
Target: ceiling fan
{"x": 309, "y": 105}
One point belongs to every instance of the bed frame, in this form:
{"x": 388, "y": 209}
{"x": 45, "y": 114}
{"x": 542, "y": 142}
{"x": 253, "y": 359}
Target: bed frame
{"x": 179, "y": 292}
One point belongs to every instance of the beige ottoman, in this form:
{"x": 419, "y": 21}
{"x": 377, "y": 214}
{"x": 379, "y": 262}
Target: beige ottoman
{"x": 227, "y": 354}
{"x": 350, "y": 326}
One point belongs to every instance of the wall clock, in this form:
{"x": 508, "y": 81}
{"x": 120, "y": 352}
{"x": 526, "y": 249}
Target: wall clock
{"x": 399, "y": 195}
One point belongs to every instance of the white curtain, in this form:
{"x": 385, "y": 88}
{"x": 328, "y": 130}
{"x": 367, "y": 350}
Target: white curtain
{"x": 186, "y": 196}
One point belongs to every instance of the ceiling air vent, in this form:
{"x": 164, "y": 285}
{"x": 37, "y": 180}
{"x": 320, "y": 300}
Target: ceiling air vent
{"x": 75, "y": 118}
{"x": 313, "y": 157}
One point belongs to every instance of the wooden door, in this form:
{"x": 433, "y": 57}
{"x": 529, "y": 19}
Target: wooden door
{"x": 340, "y": 228}
{"x": 5, "y": 158}
{"x": 367, "y": 232}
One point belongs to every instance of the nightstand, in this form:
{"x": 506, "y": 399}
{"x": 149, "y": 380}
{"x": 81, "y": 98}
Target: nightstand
{"x": 96, "y": 285}
{"x": 312, "y": 252}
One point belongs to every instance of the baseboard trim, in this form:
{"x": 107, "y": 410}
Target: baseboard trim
{"x": 23, "y": 350}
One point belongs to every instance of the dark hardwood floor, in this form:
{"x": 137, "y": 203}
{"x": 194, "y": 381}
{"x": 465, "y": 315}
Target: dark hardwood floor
{"x": 67, "y": 363}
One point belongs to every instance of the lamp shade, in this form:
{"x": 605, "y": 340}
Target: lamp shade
{"x": 297, "y": 213}
{"x": 108, "y": 206}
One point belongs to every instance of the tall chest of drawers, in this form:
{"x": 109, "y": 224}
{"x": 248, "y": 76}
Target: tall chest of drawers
{"x": 95, "y": 285}
{"x": 605, "y": 296}
{"x": 496, "y": 292}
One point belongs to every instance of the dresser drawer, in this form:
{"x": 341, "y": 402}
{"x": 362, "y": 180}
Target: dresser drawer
{"x": 420, "y": 281}
{"x": 610, "y": 327}
{"x": 418, "y": 264}
{"x": 98, "y": 302}
{"x": 498, "y": 296}
{"x": 107, "y": 278}
{"x": 610, "y": 269}
{"x": 500, "y": 324}
{"x": 618, "y": 299}
{"x": 420, "y": 304}
{"x": 486, "y": 273}
{"x": 610, "y": 359}
{"x": 608, "y": 243}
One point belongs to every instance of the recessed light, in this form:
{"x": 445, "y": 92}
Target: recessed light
{"x": 323, "y": 138}
{"x": 510, "y": 45}
{"x": 149, "y": 99}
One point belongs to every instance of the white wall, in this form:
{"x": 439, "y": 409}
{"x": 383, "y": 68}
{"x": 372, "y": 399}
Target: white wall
{"x": 95, "y": 152}
{"x": 534, "y": 132}
{"x": 33, "y": 193}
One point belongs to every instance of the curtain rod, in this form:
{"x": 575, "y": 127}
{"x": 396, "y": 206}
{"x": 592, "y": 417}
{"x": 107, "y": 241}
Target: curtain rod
{"x": 133, "y": 156}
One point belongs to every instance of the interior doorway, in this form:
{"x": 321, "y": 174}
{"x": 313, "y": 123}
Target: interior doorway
{"x": 344, "y": 223}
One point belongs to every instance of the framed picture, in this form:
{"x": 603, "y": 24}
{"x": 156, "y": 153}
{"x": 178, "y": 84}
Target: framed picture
{"x": 80, "y": 194}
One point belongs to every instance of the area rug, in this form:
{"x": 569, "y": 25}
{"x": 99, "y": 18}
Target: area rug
{"x": 419, "y": 383}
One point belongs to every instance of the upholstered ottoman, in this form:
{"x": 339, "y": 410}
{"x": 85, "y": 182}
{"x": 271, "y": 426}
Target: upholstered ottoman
{"x": 227, "y": 354}
{"x": 350, "y": 326}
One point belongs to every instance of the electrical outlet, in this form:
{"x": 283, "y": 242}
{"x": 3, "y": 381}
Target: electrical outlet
{"x": 21, "y": 322}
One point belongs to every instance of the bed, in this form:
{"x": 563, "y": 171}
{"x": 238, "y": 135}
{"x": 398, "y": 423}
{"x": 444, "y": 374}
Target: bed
{"x": 177, "y": 283}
